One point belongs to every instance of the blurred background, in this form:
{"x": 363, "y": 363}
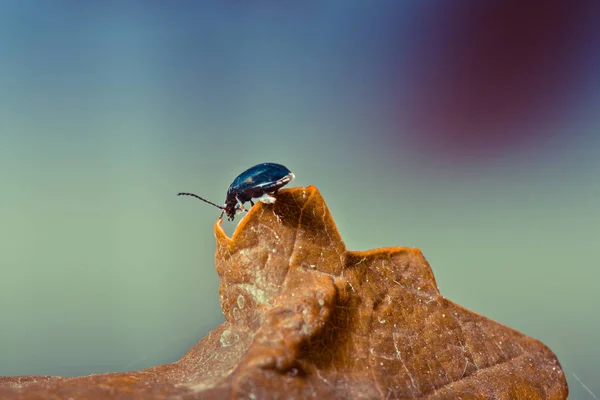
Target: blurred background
{"x": 468, "y": 129}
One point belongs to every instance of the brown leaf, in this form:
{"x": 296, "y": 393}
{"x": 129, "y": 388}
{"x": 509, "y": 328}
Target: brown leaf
{"x": 305, "y": 318}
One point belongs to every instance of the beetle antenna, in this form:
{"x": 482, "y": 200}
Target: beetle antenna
{"x": 200, "y": 198}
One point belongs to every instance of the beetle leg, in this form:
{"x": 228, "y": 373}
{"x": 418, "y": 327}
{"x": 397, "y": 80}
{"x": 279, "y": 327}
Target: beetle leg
{"x": 251, "y": 203}
{"x": 240, "y": 205}
{"x": 267, "y": 199}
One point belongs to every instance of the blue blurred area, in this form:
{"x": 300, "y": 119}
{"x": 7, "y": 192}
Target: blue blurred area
{"x": 468, "y": 131}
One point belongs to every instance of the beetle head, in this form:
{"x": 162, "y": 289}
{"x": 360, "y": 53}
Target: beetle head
{"x": 231, "y": 209}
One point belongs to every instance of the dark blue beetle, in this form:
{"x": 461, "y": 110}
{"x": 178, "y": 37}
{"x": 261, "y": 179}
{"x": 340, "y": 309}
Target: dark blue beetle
{"x": 257, "y": 182}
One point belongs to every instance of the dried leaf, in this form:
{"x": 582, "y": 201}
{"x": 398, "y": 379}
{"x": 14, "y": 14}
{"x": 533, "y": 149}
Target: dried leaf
{"x": 305, "y": 318}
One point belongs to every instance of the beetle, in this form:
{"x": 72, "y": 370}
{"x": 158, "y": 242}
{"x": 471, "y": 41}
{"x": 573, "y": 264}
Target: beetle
{"x": 257, "y": 182}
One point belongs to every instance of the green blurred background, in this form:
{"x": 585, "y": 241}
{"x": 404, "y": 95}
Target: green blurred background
{"x": 469, "y": 130}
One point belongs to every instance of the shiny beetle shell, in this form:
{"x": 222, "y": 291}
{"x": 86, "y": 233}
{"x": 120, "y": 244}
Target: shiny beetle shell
{"x": 256, "y": 183}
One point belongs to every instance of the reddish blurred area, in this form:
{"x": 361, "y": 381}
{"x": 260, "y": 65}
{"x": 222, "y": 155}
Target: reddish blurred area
{"x": 495, "y": 77}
